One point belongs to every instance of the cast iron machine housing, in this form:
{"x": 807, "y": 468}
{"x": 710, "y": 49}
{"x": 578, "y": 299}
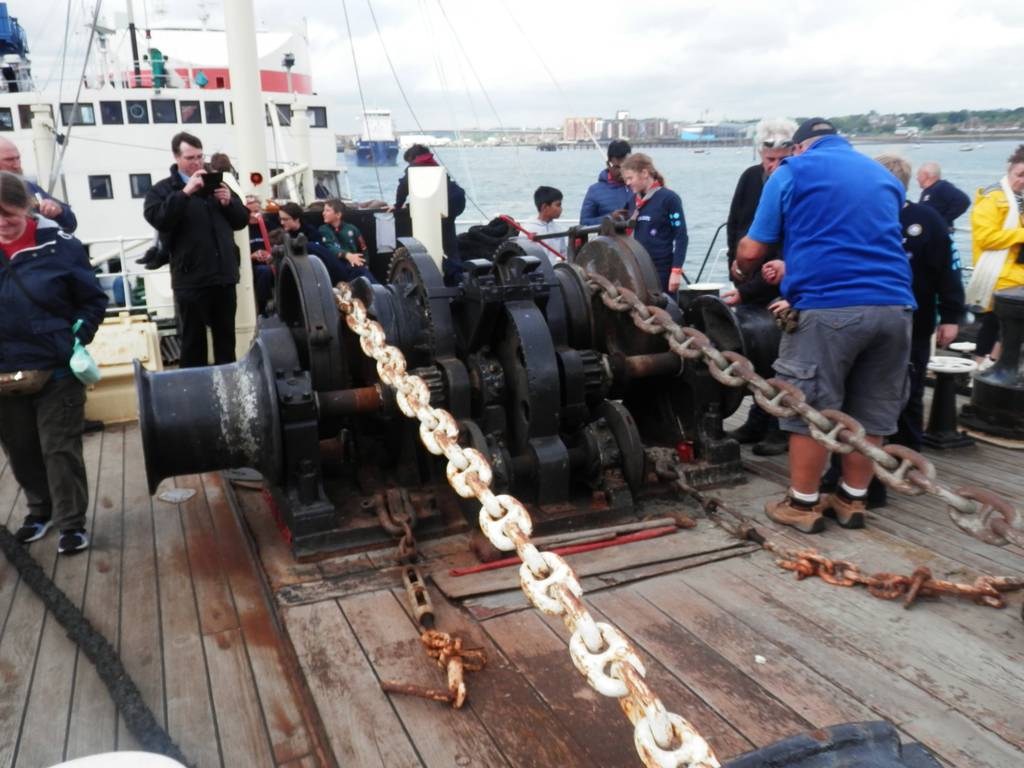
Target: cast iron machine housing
{"x": 561, "y": 393}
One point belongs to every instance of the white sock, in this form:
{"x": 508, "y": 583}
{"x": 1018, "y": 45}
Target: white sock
{"x": 853, "y": 493}
{"x": 806, "y": 498}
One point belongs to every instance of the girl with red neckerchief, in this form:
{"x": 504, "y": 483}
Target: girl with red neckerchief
{"x": 656, "y": 215}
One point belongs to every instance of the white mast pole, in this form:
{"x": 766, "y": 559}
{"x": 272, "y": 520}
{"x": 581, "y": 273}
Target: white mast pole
{"x": 250, "y": 144}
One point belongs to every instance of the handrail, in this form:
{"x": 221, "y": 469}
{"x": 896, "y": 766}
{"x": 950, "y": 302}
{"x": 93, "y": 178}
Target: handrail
{"x": 125, "y": 247}
{"x": 707, "y": 255}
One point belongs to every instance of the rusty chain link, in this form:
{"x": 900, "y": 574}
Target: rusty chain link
{"x": 985, "y": 590}
{"x": 607, "y": 659}
{"x": 980, "y": 512}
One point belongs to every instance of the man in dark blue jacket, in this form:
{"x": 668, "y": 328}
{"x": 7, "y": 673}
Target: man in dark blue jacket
{"x": 51, "y": 208}
{"x": 608, "y": 194}
{"x": 938, "y": 289}
{"x": 939, "y": 194}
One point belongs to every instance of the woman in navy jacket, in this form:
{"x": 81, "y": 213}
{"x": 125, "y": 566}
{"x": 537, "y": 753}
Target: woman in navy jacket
{"x": 46, "y": 285}
{"x": 656, "y": 214}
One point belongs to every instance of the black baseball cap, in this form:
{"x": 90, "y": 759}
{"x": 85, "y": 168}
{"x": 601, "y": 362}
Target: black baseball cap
{"x": 816, "y": 126}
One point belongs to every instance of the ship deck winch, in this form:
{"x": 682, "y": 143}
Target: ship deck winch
{"x": 559, "y": 392}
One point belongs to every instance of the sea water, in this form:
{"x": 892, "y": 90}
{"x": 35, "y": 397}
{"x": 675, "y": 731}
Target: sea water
{"x": 501, "y": 180}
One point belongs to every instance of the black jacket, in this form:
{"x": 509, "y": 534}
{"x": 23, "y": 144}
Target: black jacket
{"x": 753, "y": 290}
{"x": 198, "y": 232}
{"x": 937, "y": 281}
{"x": 949, "y": 201}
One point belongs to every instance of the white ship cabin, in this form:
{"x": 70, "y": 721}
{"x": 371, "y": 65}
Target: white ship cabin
{"x": 108, "y": 147}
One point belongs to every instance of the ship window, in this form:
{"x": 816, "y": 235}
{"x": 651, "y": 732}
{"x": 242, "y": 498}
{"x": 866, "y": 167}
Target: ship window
{"x": 111, "y": 113}
{"x": 100, "y": 188}
{"x": 6, "y": 119}
{"x": 25, "y": 114}
{"x": 164, "y": 111}
{"x": 215, "y": 112}
{"x": 326, "y": 184}
{"x": 284, "y": 114}
{"x": 138, "y": 112}
{"x": 141, "y": 182}
{"x": 317, "y": 117}
{"x": 77, "y": 114}
{"x": 190, "y": 112}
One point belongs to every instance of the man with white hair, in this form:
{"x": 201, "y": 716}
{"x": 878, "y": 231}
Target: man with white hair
{"x": 10, "y": 160}
{"x": 837, "y": 214}
{"x": 940, "y": 194}
{"x": 773, "y": 139}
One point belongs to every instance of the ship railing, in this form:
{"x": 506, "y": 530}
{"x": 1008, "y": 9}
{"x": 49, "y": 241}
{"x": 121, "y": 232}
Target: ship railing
{"x": 118, "y": 283}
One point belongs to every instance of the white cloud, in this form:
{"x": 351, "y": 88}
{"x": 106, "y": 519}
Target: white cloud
{"x": 669, "y": 58}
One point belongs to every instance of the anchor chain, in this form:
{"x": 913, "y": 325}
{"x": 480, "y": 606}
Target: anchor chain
{"x": 985, "y": 590}
{"x": 979, "y": 512}
{"x": 599, "y": 651}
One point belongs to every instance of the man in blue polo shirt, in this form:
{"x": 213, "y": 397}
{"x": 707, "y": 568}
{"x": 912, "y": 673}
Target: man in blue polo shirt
{"x": 845, "y": 271}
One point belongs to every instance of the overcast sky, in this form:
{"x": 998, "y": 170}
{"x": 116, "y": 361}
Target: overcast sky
{"x": 534, "y": 62}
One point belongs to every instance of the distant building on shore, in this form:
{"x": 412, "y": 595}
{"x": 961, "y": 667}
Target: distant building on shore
{"x": 622, "y": 126}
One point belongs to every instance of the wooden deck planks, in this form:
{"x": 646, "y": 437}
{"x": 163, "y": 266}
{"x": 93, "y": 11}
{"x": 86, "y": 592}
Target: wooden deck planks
{"x": 92, "y": 725}
{"x": 543, "y": 658}
{"x": 441, "y": 735}
{"x": 190, "y": 717}
{"x": 282, "y": 704}
{"x": 737, "y": 697}
{"x": 41, "y": 654}
{"x": 736, "y": 587}
{"x": 241, "y": 730}
{"x": 140, "y": 633}
{"x": 362, "y": 727}
{"x": 922, "y": 647}
{"x": 213, "y": 597}
{"x": 519, "y": 720}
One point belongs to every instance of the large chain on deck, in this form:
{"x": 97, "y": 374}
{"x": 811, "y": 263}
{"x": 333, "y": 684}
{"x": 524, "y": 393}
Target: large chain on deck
{"x": 980, "y": 512}
{"x": 985, "y": 590}
{"x": 599, "y": 651}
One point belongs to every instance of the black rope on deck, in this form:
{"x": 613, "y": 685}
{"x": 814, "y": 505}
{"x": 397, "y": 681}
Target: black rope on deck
{"x": 125, "y": 694}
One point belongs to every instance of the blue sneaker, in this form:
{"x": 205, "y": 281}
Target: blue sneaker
{"x": 73, "y": 541}
{"x": 33, "y": 529}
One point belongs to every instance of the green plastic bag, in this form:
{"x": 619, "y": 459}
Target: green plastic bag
{"x": 82, "y": 364}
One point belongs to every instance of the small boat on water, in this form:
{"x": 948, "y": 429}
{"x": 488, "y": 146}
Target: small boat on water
{"x": 967, "y": 147}
{"x": 547, "y": 146}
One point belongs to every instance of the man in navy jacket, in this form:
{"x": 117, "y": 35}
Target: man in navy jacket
{"x": 608, "y": 194}
{"x": 939, "y": 194}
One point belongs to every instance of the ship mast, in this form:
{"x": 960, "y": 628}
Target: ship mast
{"x": 250, "y": 140}
{"x": 135, "y": 44}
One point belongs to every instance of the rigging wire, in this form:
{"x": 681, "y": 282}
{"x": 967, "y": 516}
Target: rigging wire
{"x": 439, "y": 64}
{"x": 544, "y": 64}
{"x": 405, "y": 98}
{"x": 55, "y": 171}
{"x": 64, "y": 54}
{"x": 359, "y": 85}
{"x": 479, "y": 82}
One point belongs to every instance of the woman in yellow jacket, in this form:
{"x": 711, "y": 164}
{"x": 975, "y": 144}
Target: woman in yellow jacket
{"x": 997, "y": 230}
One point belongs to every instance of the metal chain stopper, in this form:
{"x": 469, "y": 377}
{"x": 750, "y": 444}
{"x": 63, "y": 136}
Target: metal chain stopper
{"x": 608, "y": 660}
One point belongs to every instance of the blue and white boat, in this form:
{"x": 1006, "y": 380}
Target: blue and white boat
{"x": 377, "y": 144}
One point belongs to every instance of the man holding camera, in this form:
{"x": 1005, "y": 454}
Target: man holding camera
{"x": 196, "y": 215}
